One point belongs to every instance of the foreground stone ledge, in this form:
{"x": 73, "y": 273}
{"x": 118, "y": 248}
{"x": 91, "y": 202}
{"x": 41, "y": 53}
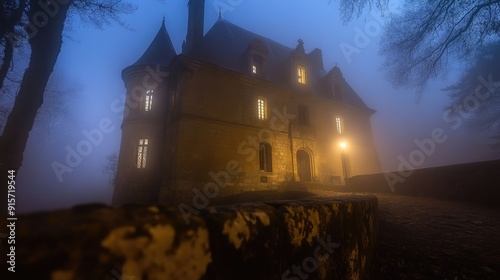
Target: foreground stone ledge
{"x": 317, "y": 238}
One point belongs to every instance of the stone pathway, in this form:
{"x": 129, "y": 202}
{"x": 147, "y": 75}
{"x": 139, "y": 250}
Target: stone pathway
{"x": 423, "y": 238}
{"x": 427, "y": 238}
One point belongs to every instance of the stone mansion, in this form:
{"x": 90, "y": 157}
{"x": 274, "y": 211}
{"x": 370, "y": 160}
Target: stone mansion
{"x": 234, "y": 112}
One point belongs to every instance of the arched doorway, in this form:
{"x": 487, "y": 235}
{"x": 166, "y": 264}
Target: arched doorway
{"x": 304, "y": 166}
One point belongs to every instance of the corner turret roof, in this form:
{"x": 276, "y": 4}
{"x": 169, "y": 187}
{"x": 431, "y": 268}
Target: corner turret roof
{"x": 161, "y": 50}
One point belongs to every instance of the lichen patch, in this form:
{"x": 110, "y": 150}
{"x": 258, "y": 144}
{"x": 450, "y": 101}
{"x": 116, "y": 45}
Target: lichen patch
{"x": 156, "y": 256}
{"x": 238, "y": 229}
{"x": 302, "y": 224}
{"x": 349, "y": 207}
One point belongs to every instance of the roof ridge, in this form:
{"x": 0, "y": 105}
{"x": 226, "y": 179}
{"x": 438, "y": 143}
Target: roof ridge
{"x": 255, "y": 34}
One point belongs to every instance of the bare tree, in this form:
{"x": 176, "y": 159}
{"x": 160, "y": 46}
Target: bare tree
{"x": 355, "y": 8}
{"x": 57, "y": 97}
{"x": 476, "y": 95}
{"x": 426, "y": 38}
{"x": 420, "y": 42}
{"x": 11, "y": 12}
{"x": 45, "y": 24}
{"x": 111, "y": 167}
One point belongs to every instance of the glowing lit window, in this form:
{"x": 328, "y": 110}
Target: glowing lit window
{"x": 148, "y": 100}
{"x": 142, "y": 152}
{"x": 261, "y": 108}
{"x": 340, "y": 125}
{"x": 257, "y": 65}
{"x": 301, "y": 75}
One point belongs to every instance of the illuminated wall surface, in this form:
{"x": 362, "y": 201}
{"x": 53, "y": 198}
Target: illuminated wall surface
{"x": 206, "y": 113}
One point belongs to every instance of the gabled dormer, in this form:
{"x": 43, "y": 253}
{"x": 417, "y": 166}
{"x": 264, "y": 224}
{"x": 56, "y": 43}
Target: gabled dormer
{"x": 337, "y": 80}
{"x": 299, "y": 66}
{"x": 256, "y": 58}
{"x": 334, "y": 84}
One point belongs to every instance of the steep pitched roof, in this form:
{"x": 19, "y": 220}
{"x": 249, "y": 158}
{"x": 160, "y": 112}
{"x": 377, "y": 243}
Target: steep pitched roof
{"x": 161, "y": 50}
{"x": 225, "y": 45}
{"x": 348, "y": 95}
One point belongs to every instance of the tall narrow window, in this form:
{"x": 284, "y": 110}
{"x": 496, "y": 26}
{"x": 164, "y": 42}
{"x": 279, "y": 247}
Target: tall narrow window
{"x": 265, "y": 157}
{"x": 301, "y": 75}
{"x": 261, "y": 108}
{"x": 142, "y": 152}
{"x": 148, "y": 100}
{"x": 340, "y": 125}
{"x": 303, "y": 115}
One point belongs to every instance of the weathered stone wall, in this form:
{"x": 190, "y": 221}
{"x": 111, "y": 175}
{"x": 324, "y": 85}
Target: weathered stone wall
{"x": 218, "y": 124}
{"x": 320, "y": 238}
{"x": 473, "y": 182}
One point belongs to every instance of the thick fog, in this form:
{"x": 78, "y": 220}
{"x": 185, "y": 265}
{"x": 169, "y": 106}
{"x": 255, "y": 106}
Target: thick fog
{"x": 93, "y": 59}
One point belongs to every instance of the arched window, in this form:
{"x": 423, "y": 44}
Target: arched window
{"x": 265, "y": 157}
{"x": 142, "y": 153}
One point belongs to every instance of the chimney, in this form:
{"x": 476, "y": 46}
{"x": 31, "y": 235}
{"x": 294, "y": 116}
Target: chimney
{"x": 196, "y": 19}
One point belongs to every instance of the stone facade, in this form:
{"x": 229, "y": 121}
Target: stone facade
{"x": 231, "y": 114}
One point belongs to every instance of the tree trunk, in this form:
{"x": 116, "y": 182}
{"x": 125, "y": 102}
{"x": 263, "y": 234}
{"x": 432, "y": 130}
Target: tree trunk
{"x": 45, "y": 47}
{"x": 7, "y": 61}
{"x": 7, "y": 31}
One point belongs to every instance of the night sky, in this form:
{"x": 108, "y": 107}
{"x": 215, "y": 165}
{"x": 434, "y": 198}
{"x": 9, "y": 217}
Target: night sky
{"x": 93, "y": 60}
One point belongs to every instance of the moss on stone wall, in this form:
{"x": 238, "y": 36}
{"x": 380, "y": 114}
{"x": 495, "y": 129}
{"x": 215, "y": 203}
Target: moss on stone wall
{"x": 322, "y": 238}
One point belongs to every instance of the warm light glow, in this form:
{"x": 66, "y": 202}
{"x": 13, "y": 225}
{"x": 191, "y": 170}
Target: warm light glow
{"x": 301, "y": 75}
{"x": 343, "y": 145}
{"x": 254, "y": 69}
{"x": 339, "y": 124}
{"x": 261, "y": 109}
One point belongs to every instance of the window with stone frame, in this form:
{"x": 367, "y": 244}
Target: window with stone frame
{"x": 301, "y": 75}
{"x": 148, "y": 100}
{"x": 142, "y": 153}
{"x": 261, "y": 108}
{"x": 265, "y": 157}
{"x": 339, "y": 124}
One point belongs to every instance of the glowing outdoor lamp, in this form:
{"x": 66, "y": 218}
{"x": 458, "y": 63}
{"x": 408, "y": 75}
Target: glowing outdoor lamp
{"x": 343, "y": 145}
